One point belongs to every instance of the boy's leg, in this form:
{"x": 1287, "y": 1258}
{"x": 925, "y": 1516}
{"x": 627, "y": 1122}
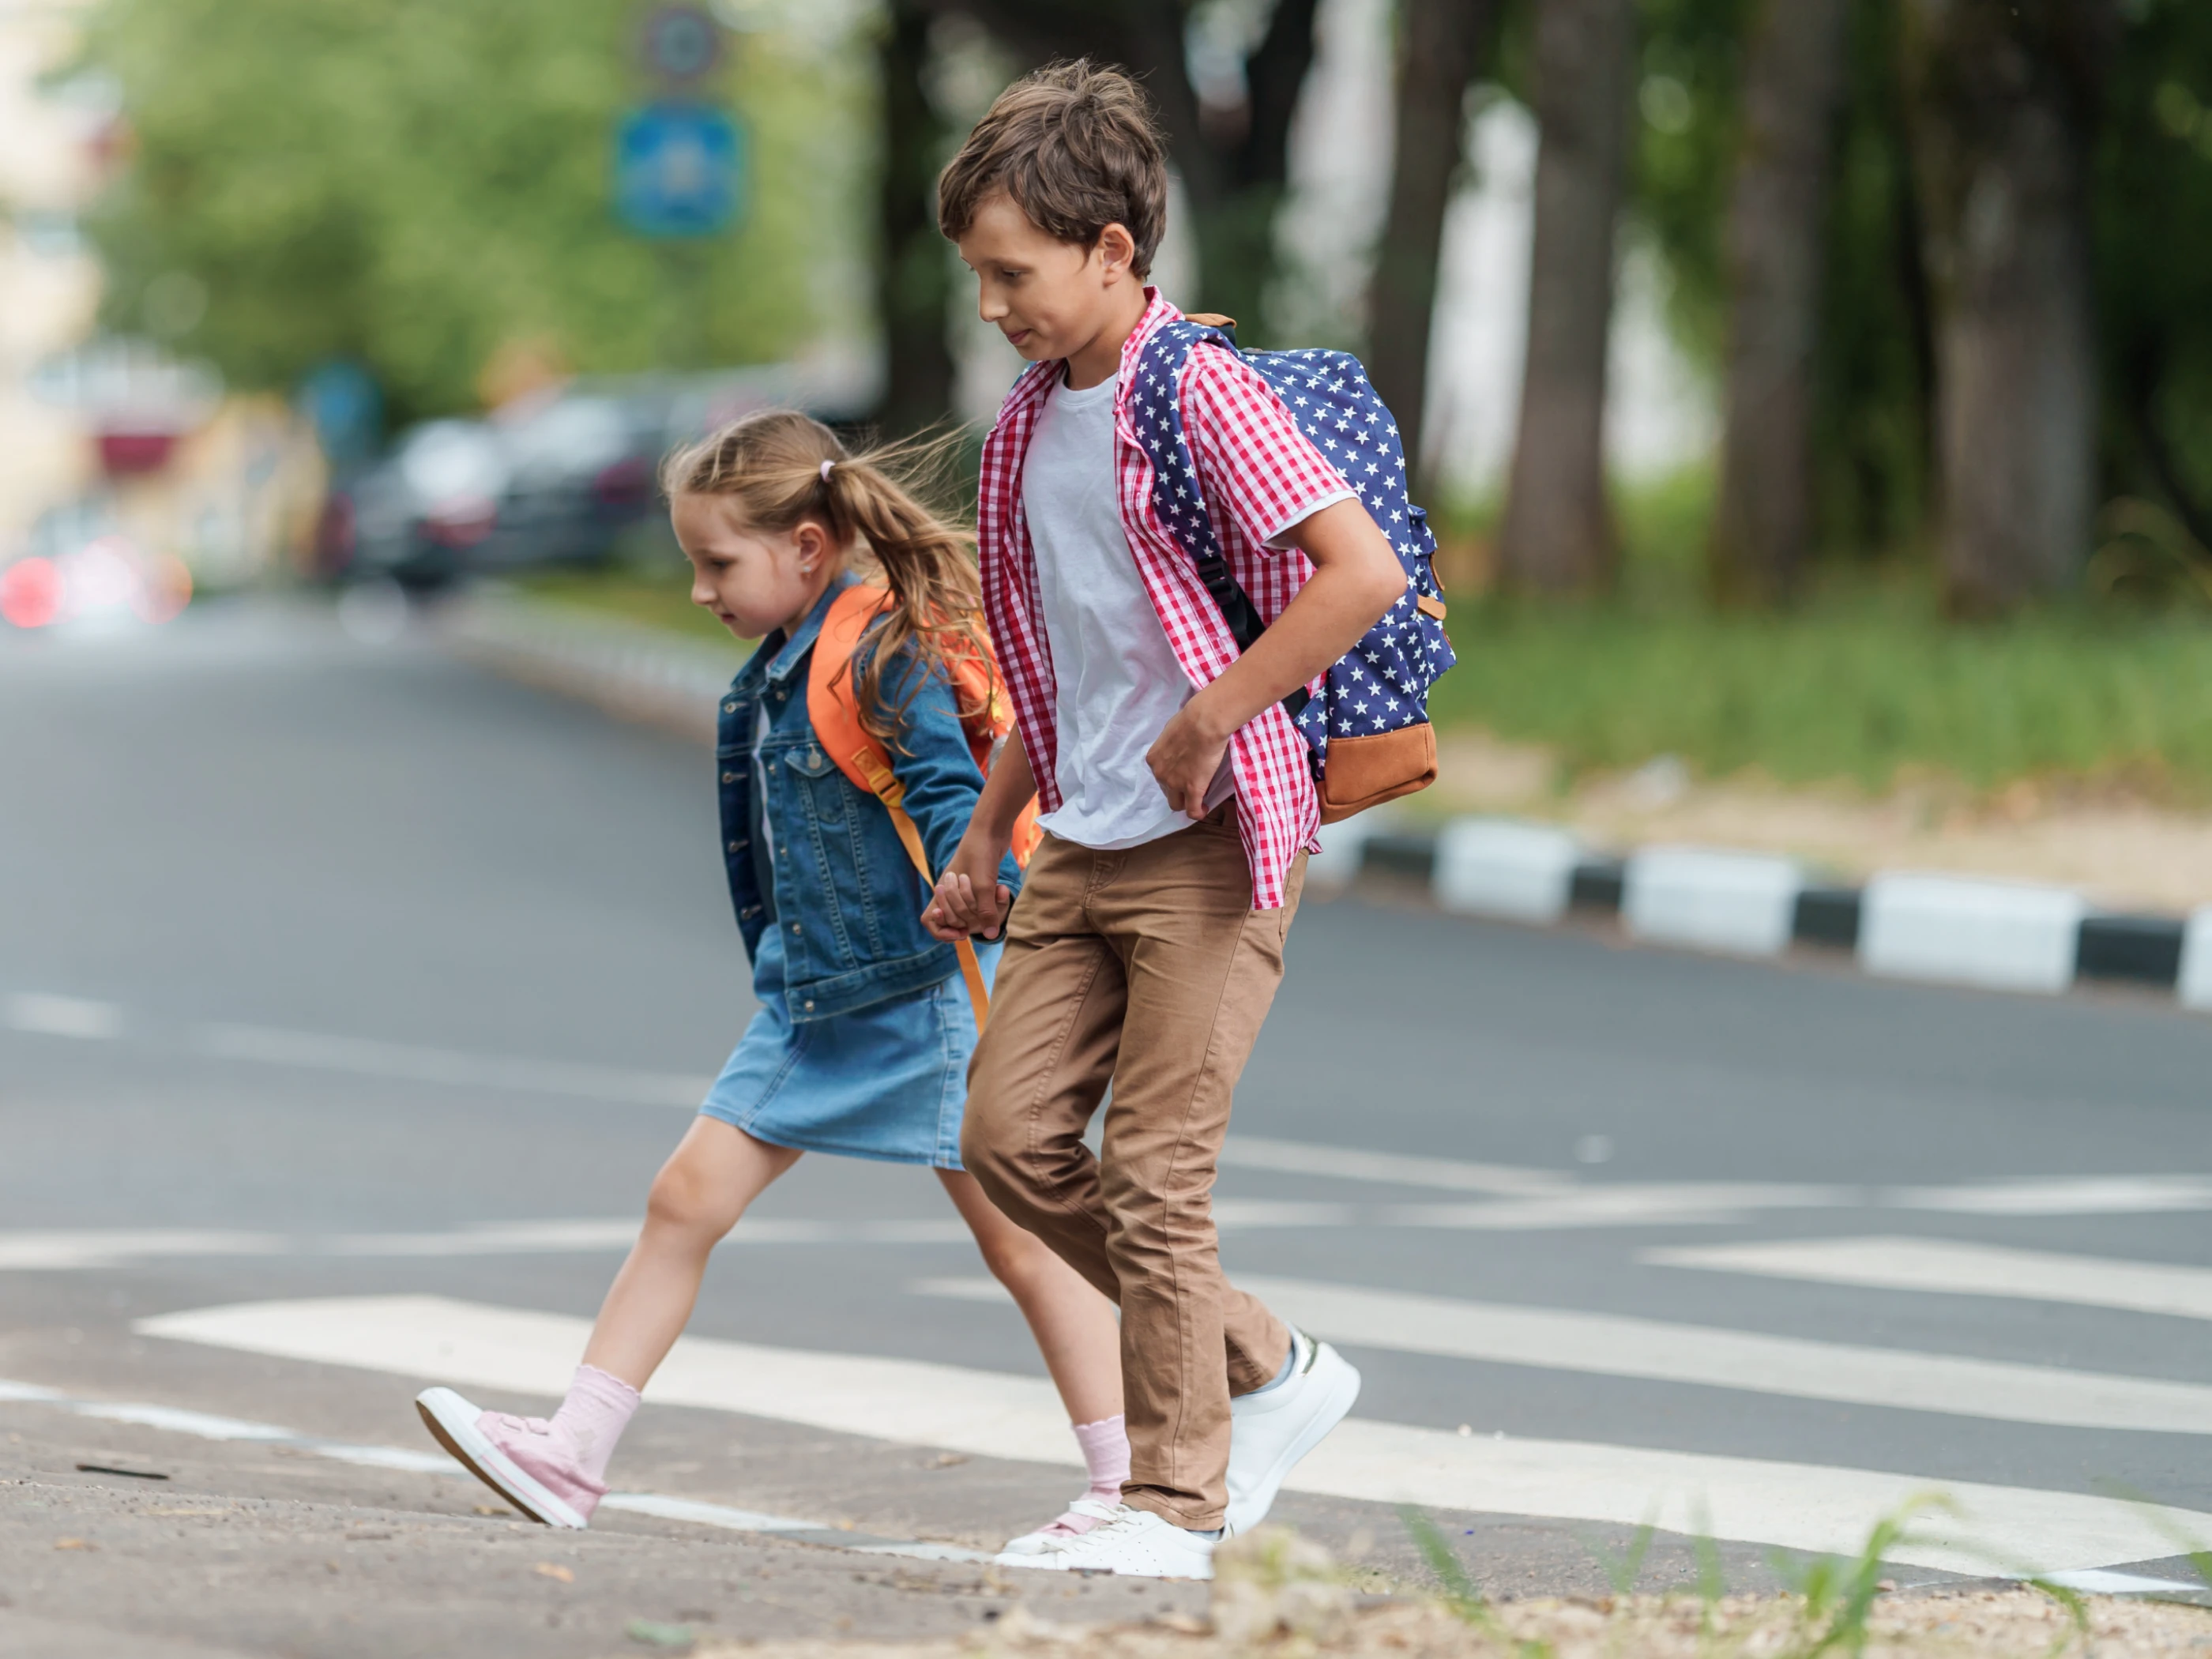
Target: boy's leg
{"x": 1204, "y": 967}
{"x": 1173, "y": 919}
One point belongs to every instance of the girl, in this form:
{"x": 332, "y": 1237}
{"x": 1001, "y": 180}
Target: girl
{"x": 861, "y": 1043}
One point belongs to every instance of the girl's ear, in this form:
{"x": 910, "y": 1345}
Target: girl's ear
{"x": 812, "y": 544}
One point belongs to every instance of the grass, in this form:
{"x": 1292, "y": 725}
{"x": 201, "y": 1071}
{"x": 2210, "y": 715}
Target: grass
{"x": 1863, "y": 682}
{"x": 1868, "y": 687}
{"x": 636, "y": 593}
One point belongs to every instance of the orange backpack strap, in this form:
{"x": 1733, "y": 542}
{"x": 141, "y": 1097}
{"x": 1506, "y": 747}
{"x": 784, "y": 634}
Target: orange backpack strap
{"x": 834, "y": 714}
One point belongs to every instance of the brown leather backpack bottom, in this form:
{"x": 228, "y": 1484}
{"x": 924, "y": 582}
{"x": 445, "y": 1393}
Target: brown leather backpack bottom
{"x": 1363, "y": 771}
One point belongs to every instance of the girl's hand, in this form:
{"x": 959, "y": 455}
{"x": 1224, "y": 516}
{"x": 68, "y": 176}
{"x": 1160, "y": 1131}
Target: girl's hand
{"x": 970, "y": 898}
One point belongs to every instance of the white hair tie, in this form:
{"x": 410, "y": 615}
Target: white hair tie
{"x": 826, "y": 466}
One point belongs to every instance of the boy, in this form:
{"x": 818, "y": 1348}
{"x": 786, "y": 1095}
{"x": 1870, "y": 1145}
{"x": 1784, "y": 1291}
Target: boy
{"x": 1178, "y": 803}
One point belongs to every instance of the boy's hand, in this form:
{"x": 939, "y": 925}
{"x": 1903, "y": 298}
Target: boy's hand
{"x": 970, "y": 898}
{"x": 1186, "y": 757}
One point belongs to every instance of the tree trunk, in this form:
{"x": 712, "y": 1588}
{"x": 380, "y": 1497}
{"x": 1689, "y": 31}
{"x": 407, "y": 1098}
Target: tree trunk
{"x": 1793, "y": 81}
{"x": 1439, "y": 44}
{"x": 2004, "y": 100}
{"x": 1558, "y": 535}
{"x": 1235, "y": 182}
{"x": 913, "y": 279}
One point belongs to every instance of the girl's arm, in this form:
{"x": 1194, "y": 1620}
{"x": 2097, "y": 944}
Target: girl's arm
{"x": 937, "y": 771}
{"x": 971, "y": 898}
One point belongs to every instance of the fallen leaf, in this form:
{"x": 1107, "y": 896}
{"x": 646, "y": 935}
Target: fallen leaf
{"x": 548, "y": 1569}
{"x": 659, "y": 1636}
{"x": 948, "y": 1460}
{"x": 494, "y": 1509}
{"x": 75, "y": 1544}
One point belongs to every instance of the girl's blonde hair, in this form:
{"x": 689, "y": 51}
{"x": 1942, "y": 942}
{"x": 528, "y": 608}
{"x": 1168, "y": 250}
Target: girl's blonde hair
{"x": 782, "y": 468}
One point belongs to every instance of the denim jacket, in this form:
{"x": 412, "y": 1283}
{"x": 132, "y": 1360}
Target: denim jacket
{"x": 845, "y": 893}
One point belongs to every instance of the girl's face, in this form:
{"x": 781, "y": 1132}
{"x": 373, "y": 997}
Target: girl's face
{"x": 754, "y": 581}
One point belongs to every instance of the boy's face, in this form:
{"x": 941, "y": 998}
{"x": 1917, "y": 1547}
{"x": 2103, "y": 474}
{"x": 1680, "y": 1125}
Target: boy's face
{"x": 1050, "y": 298}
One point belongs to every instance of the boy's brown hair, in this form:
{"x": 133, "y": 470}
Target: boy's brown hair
{"x": 1078, "y": 148}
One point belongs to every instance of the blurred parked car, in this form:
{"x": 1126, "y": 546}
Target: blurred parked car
{"x": 550, "y": 481}
{"x": 553, "y": 484}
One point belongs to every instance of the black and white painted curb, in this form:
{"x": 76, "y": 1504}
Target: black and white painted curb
{"x": 1962, "y": 930}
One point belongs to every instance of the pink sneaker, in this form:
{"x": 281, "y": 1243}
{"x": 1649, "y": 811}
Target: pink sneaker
{"x": 1082, "y": 1515}
{"x": 517, "y": 1457}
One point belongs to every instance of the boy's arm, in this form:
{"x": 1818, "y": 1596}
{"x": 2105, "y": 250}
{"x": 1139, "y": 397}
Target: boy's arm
{"x": 969, "y": 897}
{"x": 1357, "y": 578}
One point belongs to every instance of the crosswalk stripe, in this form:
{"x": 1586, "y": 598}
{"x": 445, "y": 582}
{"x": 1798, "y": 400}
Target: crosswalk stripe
{"x": 1610, "y": 1345}
{"x": 1963, "y": 1268}
{"x": 1793, "y": 1505}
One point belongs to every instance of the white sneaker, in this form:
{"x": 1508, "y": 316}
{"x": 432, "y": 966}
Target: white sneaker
{"x": 1270, "y": 1432}
{"x": 1135, "y": 1543}
{"x": 1047, "y": 1539}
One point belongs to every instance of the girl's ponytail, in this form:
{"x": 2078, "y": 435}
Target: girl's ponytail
{"x": 784, "y": 467}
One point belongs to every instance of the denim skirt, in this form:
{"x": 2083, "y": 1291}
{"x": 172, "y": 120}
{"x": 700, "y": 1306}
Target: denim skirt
{"x": 887, "y": 1081}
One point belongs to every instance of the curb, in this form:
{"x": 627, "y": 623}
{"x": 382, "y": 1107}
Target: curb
{"x": 1910, "y": 924}
{"x": 1907, "y": 925}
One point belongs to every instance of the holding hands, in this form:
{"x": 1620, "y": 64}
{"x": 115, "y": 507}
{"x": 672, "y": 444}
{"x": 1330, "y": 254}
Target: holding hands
{"x": 969, "y": 899}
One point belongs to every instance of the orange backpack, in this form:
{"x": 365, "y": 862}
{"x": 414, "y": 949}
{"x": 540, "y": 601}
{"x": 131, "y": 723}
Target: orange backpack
{"x": 862, "y": 757}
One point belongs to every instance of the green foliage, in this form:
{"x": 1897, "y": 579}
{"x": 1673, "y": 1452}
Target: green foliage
{"x": 1865, "y": 684}
{"x": 1461, "y": 1594}
{"x": 2154, "y": 243}
{"x": 659, "y": 597}
{"x": 1839, "y": 1594}
{"x": 416, "y": 184}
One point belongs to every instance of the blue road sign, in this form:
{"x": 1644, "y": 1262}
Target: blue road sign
{"x": 679, "y": 170}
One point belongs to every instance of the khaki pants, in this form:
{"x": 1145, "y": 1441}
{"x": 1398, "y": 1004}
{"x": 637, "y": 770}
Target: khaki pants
{"x": 1147, "y": 967}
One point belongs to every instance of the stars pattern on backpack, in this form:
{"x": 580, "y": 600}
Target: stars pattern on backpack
{"x": 1381, "y": 684}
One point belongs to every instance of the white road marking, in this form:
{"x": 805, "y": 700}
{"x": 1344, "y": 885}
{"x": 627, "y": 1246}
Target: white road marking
{"x": 406, "y": 1063}
{"x": 1962, "y": 1268}
{"x": 204, "y": 1427}
{"x": 65, "y": 1017}
{"x": 2097, "y": 1581}
{"x": 55, "y": 1251}
{"x": 1623, "y": 1204}
{"x": 2062, "y": 1195}
{"x": 1794, "y": 1505}
{"x": 1607, "y": 1345}
{"x": 1395, "y": 1169}
{"x": 76, "y": 1249}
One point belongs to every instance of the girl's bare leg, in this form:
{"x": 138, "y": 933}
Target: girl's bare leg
{"x": 1074, "y": 1326}
{"x": 714, "y": 1174}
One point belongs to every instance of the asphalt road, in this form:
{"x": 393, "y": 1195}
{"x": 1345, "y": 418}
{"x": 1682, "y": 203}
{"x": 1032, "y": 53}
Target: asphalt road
{"x": 332, "y": 975}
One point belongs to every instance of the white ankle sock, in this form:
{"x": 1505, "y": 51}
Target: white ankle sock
{"x": 592, "y": 1417}
{"x": 1106, "y": 1454}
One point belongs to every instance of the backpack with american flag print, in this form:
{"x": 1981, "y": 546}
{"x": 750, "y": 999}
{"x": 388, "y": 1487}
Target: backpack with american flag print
{"x": 1367, "y": 732}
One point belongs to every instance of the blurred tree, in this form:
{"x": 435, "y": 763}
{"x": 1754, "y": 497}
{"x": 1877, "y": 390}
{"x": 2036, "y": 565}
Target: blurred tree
{"x": 913, "y": 276}
{"x": 1558, "y": 535}
{"x": 1232, "y": 148}
{"x": 2005, "y": 96}
{"x": 1440, "y": 43}
{"x": 2154, "y": 247}
{"x": 1793, "y": 79}
{"x": 414, "y": 184}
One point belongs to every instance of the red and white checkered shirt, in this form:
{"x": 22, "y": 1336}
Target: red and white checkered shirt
{"x": 1261, "y": 477}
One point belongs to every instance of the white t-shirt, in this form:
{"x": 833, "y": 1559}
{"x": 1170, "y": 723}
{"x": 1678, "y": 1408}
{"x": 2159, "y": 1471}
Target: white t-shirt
{"x": 1117, "y": 681}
